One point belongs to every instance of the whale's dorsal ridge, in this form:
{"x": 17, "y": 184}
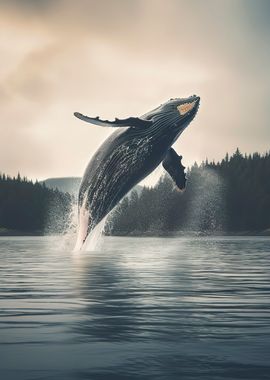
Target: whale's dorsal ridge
{"x": 134, "y": 122}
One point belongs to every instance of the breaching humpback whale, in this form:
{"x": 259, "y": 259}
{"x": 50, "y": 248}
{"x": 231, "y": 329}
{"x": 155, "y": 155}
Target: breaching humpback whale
{"x": 128, "y": 155}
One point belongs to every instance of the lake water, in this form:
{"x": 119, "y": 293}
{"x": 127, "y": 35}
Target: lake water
{"x": 140, "y": 308}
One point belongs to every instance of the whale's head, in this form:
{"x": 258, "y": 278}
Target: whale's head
{"x": 175, "y": 115}
{"x": 181, "y": 110}
{"x": 186, "y": 108}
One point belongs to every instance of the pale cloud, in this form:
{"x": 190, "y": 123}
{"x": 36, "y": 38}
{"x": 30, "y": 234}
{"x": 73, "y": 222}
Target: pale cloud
{"x": 121, "y": 58}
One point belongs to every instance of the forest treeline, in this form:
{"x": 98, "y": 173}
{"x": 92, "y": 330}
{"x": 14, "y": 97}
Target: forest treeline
{"x": 29, "y": 207}
{"x": 230, "y": 196}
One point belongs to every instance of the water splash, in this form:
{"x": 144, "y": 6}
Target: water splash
{"x": 95, "y": 238}
{"x": 70, "y": 233}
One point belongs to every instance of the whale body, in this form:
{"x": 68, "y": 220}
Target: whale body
{"x": 128, "y": 155}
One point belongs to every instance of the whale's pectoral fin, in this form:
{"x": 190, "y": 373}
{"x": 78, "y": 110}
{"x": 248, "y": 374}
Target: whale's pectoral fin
{"x": 172, "y": 164}
{"x": 135, "y": 122}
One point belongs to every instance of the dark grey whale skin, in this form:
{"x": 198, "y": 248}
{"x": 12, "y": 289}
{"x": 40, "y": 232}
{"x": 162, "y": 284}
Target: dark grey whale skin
{"x": 128, "y": 155}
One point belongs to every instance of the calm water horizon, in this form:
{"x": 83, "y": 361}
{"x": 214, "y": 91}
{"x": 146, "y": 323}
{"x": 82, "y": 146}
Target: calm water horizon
{"x": 138, "y": 308}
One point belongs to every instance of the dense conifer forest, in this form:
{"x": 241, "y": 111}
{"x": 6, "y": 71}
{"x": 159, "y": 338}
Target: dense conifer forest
{"x": 231, "y": 196}
{"x": 28, "y": 207}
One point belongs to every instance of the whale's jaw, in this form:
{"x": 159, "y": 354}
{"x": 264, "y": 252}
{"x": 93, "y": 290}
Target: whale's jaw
{"x": 187, "y": 110}
{"x": 186, "y": 107}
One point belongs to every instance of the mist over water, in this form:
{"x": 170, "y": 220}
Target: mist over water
{"x": 207, "y": 211}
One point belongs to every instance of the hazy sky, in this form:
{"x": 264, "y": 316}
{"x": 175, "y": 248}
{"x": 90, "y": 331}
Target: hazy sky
{"x": 122, "y": 58}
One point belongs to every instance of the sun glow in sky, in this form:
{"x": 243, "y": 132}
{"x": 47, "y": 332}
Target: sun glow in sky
{"x": 120, "y": 58}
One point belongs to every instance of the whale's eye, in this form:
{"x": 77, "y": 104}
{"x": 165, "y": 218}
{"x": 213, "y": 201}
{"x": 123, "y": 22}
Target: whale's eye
{"x": 184, "y": 108}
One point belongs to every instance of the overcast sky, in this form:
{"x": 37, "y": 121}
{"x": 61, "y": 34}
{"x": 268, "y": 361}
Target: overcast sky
{"x": 120, "y": 58}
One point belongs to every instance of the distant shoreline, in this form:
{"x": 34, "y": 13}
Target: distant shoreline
{"x": 7, "y": 232}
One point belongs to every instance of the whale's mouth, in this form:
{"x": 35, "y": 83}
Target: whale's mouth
{"x": 188, "y": 107}
{"x": 183, "y": 109}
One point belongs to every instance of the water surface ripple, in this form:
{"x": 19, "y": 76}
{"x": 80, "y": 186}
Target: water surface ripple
{"x": 140, "y": 308}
